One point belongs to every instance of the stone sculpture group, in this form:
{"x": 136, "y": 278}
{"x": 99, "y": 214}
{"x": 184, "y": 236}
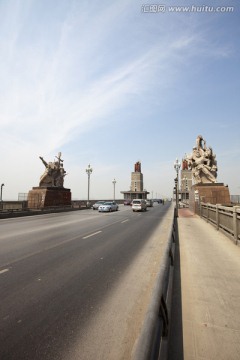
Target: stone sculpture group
{"x": 202, "y": 162}
{"x": 54, "y": 173}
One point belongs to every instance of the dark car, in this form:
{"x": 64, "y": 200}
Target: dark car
{"x": 127, "y": 202}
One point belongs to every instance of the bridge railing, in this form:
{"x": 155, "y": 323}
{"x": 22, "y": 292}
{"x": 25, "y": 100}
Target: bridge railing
{"x": 224, "y": 218}
{"x": 153, "y": 340}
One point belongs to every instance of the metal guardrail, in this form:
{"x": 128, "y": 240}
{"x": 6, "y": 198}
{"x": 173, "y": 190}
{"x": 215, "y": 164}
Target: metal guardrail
{"x": 22, "y": 204}
{"x": 235, "y": 199}
{"x": 224, "y": 218}
{"x": 20, "y": 208}
{"x": 157, "y": 320}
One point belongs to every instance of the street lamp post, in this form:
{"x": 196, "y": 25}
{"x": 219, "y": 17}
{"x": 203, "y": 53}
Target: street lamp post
{"x": 114, "y": 183}
{"x": 176, "y": 194}
{"x": 177, "y": 166}
{"x": 89, "y": 170}
{"x": 1, "y": 191}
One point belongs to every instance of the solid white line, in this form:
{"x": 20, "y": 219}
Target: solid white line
{"x": 124, "y": 221}
{"x": 85, "y": 237}
{"x": 3, "y": 271}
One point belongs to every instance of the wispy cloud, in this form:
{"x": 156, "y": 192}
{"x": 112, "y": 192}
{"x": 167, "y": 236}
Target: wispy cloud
{"x": 55, "y": 91}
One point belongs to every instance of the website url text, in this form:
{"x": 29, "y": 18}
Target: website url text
{"x": 162, "y": 8}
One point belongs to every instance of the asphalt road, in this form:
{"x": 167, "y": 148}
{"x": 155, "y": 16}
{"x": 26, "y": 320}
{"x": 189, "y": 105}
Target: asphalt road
{"x": 70, "y": 282}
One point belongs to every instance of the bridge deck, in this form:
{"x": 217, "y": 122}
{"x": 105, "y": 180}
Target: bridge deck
{"x": 206, "y": 293}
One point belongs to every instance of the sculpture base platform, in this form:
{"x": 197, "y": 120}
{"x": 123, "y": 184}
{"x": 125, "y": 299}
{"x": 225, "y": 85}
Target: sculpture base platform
{"x": 44, "y": 197}
{"x": 216, "y": 193}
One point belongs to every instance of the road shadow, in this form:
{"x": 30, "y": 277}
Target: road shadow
{"x": 175, "y": 349}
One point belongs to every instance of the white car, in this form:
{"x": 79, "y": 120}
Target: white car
{"x": 97, "y": 204}
{"x": 108, "y": 206}
{"x": 139, "y": 205}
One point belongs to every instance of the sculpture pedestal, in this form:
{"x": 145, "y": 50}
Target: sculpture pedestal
{"x": 216, "y": 193}
{"x": 43, "y": 197}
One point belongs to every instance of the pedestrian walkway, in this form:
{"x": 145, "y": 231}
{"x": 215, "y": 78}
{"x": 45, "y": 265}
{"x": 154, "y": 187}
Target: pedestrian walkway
{"x": 205, "y": 314}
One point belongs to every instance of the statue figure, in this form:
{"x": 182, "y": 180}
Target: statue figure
{"x": 199, "y": 144}
{"x": 203, "y": 163}
{"x": 184, "y": 164}
{"x": 54, "y": 173}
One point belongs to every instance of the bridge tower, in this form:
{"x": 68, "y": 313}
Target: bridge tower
{"x": 136, "y": 188}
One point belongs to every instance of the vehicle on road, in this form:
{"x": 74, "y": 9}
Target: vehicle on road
{"x": 139, "y": 205}
{"x": 149, "y": 203}
{"x": 97, "y": 204}
{"x": 127, "y": 202}
{"x": 108, "y": 206}
{"x": 159, "y": 201}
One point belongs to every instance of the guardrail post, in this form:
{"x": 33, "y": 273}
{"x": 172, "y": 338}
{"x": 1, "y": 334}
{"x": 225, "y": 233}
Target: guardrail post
{"x": 217, "y": 216}
{"x": 207, "y": 211}
{"x": 235, "y": 227}
{"x": 200, "y": 209}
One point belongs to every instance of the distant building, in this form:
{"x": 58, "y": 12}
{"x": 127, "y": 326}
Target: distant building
{"x": 185, "y": 185}
{"x": 185, "y": 182}
{"x": 136, "y": 189}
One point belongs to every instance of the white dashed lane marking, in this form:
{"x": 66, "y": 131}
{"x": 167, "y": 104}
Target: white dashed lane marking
{"x": 3, "y": 271}
{"x": 85, "y": 237}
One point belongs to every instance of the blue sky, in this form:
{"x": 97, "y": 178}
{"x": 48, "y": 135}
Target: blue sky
{"x": 112, "y": 82}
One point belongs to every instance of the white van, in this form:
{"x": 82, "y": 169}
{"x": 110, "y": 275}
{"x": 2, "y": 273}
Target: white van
{"x": 139, "y": 205}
